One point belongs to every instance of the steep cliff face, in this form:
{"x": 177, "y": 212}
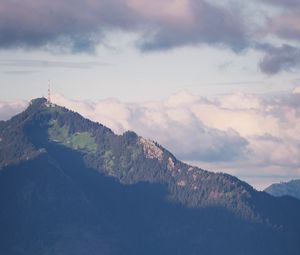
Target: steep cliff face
{"x": 71, "y": 186}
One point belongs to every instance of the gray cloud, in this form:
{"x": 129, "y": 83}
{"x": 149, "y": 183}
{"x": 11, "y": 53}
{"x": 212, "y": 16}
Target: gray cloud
{"x": 277, "y": 59}
{"x": 74, "y": 24}
{"x": 81, "y": 25}
{"x": 19, "y": 72}
{"x": 211, "y": 24}
{"x": 49, "y": 63}
{"x": 284, "y": 3}
{"x": 285, "y": 24}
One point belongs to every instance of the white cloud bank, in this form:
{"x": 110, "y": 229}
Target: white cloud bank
{"x": 10, "y": 108}
{"x": 256, "y": 137}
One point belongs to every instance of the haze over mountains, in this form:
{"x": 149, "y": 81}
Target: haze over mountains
{"x": 71, "y": 186}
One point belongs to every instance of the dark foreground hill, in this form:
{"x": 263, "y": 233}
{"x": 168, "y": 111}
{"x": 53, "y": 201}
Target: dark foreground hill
{"x": 291, "y": 188}
{"x": 71, "y": 186}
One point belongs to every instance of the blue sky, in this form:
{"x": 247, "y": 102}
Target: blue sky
{"x": 167, "y": 63}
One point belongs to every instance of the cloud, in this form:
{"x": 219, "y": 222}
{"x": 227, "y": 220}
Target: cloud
{"x": 251, "y": 131}
{"x": 296, "y": 90}
{"x": 200, "y": 23}
{"x": 11, "y": 108}
{"x": 284, "y": 3}
{"x": 171, "y": 123}
{"x": 82, "y": 25}
{"x": 19, "y": 72}
{"x": 277, "y": 59}
{"x": 74, "y": 24}
{"x": 286, "y": 25}
{"x": 47, "y": 63}
{"x": 246, "y": 135}
{"x": 243, "y": 134}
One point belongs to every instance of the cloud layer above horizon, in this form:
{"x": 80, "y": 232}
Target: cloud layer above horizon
{"x": 80, "y": 26}
{"x": 246, "y": 135}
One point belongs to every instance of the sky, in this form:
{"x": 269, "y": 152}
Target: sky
{"x": 215, "y": 82}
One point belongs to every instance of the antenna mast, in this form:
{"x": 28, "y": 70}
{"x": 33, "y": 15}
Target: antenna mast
{"x": 49, "y": 93}
{"x": 48, "y": 103}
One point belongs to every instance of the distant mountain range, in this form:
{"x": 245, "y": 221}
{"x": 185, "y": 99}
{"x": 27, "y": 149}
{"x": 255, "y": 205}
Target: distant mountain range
{"x": 291, "y": 188}
{"x": 71, "y": 186}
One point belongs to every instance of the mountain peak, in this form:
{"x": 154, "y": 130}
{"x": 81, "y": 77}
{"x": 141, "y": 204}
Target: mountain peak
{"x": 38, "y": 101}
{"x": 128, "y": 157}
{"x": 65, "y": 157}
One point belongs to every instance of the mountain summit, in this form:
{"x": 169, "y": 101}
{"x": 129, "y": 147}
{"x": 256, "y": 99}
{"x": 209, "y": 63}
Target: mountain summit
{"x": 71, "y": 186}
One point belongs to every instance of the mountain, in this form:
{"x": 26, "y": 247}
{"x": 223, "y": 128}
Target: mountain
{"x": 71, "y": 186}
{"x": 291, "y": 188}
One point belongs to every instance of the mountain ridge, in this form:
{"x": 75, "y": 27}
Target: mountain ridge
{"x": 149, "y": 151}
{"x": 104, "y": 185}
{"x": 291, "y": 188}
